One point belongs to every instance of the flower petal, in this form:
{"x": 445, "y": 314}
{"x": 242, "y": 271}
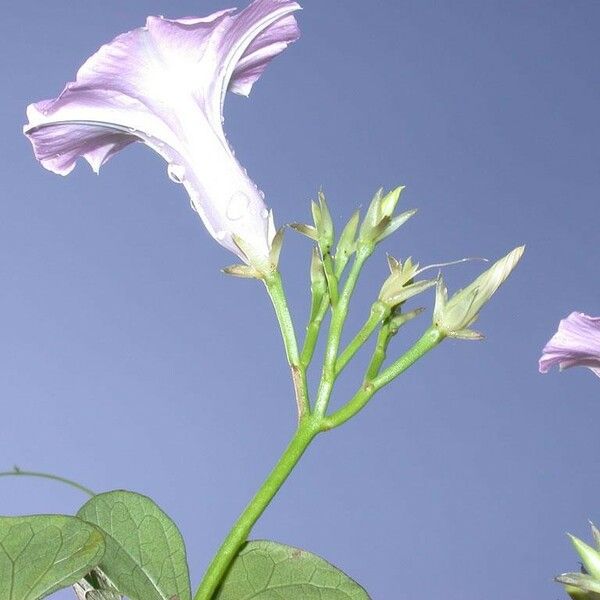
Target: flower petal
{"x": 576, "y": 343}
{"x": 164, "y": 85}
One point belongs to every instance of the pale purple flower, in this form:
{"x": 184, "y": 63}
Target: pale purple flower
{"x": 576, "y": 343}
{"x": 164, "y": 85}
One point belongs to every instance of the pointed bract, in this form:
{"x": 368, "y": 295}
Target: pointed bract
{"x": 308, "y": 230}
{"x": 590, "y": 558}
{"x": 346, "y": 244}
{"x": 400, "y": 285}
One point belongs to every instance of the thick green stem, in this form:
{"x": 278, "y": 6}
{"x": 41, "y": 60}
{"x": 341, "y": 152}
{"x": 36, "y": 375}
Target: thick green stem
{"x": 338, "y": 318}
{"x": 238, "y": 535}
{"x": 275, "y": 288}
{"x": 429, "y": 340}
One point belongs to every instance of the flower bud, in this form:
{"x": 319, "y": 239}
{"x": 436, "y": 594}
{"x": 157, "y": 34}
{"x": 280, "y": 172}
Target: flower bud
{"x": 454, "y": 317}
{"x": 379, "y": 221}
{"x": 322, "y": 231}
{"x": 318, "y": 280}
{"x": 400, "y": 285}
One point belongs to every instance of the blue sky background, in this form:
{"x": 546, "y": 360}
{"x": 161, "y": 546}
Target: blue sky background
{"x": 128, "y": 360}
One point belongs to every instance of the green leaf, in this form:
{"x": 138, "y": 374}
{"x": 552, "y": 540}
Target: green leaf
{"x": 267, "y": 570}
{"x": 44, "y": 553}
{"x": 145, "y": 555}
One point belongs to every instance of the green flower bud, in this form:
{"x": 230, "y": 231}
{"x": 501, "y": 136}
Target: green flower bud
{"x": 322, "y": 231}
{"x": 379, "y": 221}
{"x": 454, "y": 317}
{"x": 399, "y": 286}
{"x": 318, "y": 280}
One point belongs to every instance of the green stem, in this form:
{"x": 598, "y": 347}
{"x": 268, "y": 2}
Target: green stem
{"x": 379, "y": 354}
{"x": 275, "y": 289}
{"x": 379, "y": 311}
{"x": 429, "y": 340}
{"x": 18, "y": 473}
{"x": 332, "y": 280}
{"x": 338, "y": 318}
{"x": 238, "y": 535}
{"x": 312, "y": 333}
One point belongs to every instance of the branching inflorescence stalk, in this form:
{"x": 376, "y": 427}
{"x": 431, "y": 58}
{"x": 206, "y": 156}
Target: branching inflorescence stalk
{"x": 451, "y": 318}
{"x": 314, "y": 420}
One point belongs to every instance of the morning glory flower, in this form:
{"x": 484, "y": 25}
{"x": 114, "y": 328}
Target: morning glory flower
{"x": 164, "y": 85}
{"x": 576, "y": 343}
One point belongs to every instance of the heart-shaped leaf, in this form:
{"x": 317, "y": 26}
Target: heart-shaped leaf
{"x": 44, "y": 553}
{"x": 145, "y": 555}
{"x": 267, "y": 570}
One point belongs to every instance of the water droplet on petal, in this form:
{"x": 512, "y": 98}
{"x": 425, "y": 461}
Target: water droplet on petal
{"x": 238, "y": 206}
{"x": 221, "y": 235}
{"x": 176, "y": 172}
{"x": 264, "y": 213}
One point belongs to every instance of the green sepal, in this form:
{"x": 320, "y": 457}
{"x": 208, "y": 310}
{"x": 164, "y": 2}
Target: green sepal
{"x": 589, "y": 557}
{"x": 346, "y": 244}
{"x": 379, "y": 222}
{"x": 581, "y": 581}
{"x": 41, "y": 554}
{"x": 400, "y": 285}
{"x": 318, "y": 281}
{"x": 372, "y": 218}
{"x": 145, "y": 554}
{"x": 276, "y": 246}
{"x": 325, "y": 227}
{"x": 468, "y": 335}
{"x": 307, "y": 230}
{"x": 266, "y": 570}
{"x": 244, "y": 271}
{"x": 596, "y": 534}
{"x": 394, "y": 224}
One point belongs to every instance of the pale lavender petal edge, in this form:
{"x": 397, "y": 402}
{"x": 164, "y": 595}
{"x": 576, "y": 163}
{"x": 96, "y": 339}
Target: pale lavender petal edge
{"x": 576, "y": 343}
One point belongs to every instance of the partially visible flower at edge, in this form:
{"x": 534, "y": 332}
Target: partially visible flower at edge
{"x": 164, "y": 85}
{"x": 576, "y": 343}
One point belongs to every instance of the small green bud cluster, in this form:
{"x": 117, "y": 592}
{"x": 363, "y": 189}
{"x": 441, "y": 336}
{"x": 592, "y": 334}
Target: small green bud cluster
{"x": 584, "y": 585}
